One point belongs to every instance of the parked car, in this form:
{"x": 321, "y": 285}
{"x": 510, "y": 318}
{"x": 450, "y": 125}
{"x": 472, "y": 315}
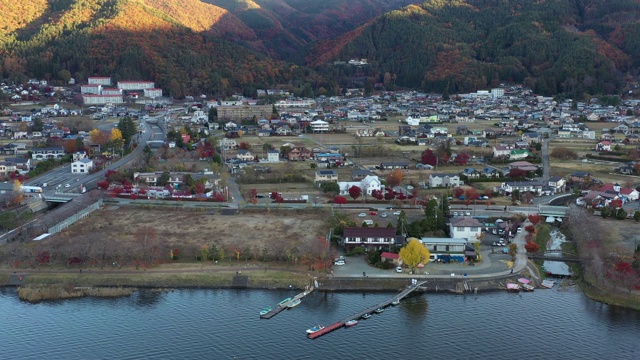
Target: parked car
{"x": 397, "y": 213}
{"x": 362, "y": 215}
{"x": 373, "y": 213}
{"x": 399, "y": 269}
{"x": 519, "y": 230}
{"x": 468, "y": 213}
{"x": 339, "y": 263}
{"x": 455, "y": 213}
{"x": 499, "y": 243}
{"x": 384, "y": 215}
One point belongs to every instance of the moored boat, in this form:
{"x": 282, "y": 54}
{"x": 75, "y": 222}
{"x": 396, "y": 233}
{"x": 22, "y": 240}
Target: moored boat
{"x": 351, "y": 323}
{"x": 366, "y": 316}
{"x": 281, "y": 303}
{"x": 315, "y": 329}
{"x": 395, "y": 302}
{"x": 513, "y": 287}
{"x": 294, "y": 303}
{"x": 265, "y": 311}
{"x": 548, "y": 283}
{"x": 527, "y": 287}
{"x": 379, "y": 310}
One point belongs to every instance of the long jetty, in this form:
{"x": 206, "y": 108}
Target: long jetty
{"x": 369, "y": 310}
{"x": 285, "y": 305}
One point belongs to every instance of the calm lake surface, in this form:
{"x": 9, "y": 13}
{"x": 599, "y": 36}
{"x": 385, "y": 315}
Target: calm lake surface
{"x": 224, "y": 324}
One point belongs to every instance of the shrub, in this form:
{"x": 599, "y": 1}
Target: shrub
{"x": 563, "y": 153}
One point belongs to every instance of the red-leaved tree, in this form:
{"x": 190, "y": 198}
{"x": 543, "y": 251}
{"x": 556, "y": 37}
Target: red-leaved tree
{"x": 531, "y": 247}
{"x": 355, "y": 192}
{"x": 530, "y": 229}
{"x": 462, "y": 159}
{"x": 535, "y": 218}
{"x": 457, "y": 192}
{"x": 340, "y": 200}
{"x": 429, "y": 158}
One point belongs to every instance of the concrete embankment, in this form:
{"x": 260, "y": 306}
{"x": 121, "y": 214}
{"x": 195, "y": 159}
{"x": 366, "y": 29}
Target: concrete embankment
{"x": 453, "y": 285}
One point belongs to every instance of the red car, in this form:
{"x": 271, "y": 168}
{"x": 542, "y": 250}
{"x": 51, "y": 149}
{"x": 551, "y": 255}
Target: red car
{"x": 373, "y": 213}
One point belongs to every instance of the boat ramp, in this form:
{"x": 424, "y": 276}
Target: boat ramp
{"x": 370, "y": 310}
{"x": 283, "y": 305}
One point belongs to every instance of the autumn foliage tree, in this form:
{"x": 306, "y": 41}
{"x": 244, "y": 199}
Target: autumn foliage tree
{"x": 530, "y": 229}
{"x": 531, "y": 247}
{"x": 395, "y": 177}
{"x": 429, "y": 158}
{"x": 414, "y": 253}
{"x": 340, "y": 200}
{"x": 535, "y": 218}
{"x": 462, "y": 159}
{"x": 355, "y": 192}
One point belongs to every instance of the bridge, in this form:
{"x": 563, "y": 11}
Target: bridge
{"x": 553, "y": 211}
{"x": 554, "y": 255}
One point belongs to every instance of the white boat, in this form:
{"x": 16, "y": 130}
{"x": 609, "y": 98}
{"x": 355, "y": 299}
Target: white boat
{"x": 351, "y": 323}
{"x": 294, "y": 303}
{"x": 379, "y": 310}
{"x": 527, "y": 287}
{"x": 548, "y": 283}
{"x": 315, "y": 329}
{"x": 395, "y": 302}
{"x": 366, "y": 316}
{"x": 281, "y": 303}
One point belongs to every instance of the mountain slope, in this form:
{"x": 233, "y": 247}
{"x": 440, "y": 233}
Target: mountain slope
{"x": 175, "y": 43}
{"x": 570, "y": 46}
{"x": 288, "y": 27}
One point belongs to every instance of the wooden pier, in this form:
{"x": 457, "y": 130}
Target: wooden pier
{"x": 369, "y": 310}
{"x": 285, "y": 305}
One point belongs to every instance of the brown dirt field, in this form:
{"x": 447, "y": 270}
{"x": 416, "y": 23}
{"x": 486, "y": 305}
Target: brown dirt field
{"x": 245, "y": 230}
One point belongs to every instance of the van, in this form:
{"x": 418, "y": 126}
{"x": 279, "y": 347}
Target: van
{"x": 368, "y": 222}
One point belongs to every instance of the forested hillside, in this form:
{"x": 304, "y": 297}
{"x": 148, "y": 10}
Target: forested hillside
{"x": 288, "y": 27}
{"x": 575, "y": 47}
{"x": 188, "y": 47}
{"x": 185, "y": 46}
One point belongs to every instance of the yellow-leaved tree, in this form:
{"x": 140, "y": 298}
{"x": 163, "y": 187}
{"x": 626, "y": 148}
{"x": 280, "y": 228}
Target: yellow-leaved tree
{"x": 414, "y": 253}
{"x": 18, "y": 195}
{"x": 97, "y": 137}
{"x": 116, "y": 138}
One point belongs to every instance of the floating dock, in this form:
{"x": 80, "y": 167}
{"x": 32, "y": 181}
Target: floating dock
{"x": 285, "y": 304}
{"x": 370, "y": 310}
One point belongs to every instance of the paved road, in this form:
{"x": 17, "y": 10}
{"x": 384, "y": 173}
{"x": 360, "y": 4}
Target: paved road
{"x": 545, "y": 161}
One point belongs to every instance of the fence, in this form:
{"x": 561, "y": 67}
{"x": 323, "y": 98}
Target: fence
{"x": 75, "y": 217}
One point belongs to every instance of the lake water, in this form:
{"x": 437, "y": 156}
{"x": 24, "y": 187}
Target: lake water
{"x": 224, "y": 324}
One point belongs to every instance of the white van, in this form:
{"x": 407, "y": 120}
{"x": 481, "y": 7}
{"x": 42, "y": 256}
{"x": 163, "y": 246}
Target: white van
{"x": 368, "y": 222}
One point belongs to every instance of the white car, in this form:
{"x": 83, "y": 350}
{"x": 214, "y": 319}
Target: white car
{"x": 399, "y": 269}
{"x": 384, "y": 215}
{"x": 397, "y": 213}
{"x": 362, "y": 215}
{"x": 455, "y": 213}
{"x": 67, "y": 185}
{"x": 468, "y": 213}
{"x": 339, "y": 263}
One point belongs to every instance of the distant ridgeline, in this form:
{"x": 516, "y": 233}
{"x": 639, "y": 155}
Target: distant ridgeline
{"x": 219, "y": 47}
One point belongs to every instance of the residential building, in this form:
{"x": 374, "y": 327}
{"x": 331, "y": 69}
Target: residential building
{"x": 135, "y": 85}
{"x": 521, "y": 186}
{"x": 102, "y": 99}
{"x": 359, "y": 174}
{"x": 153, "y": 93}
{"x": 444, "y": 180}
{"x": 557, "y": 183}
{"x": 465, "y": 228}
{"x": 326, "y": 175}
{"x": 273, "y": 155}
{"x": 299, "y": 153}
{"x": 391, "y": 257}
{"x": 82, "y": 166}
{"x": 47, "y": 153}
{"x": 90, "y": 89}
{"x": 391, "y": 165}
{"x": 367, "y": 185}
{"x": 319, "y": 126}
{"x": 371, "y": 238}
{"x": 99, "y": 80}
{"x": 241, "y": 112}
{"x": 227, "y": 144}
{"x": 244, "y": 155}
{"x": 78, "y": 155}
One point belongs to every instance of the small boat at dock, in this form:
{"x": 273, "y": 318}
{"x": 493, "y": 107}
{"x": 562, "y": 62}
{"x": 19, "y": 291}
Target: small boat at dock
{"x": 315, "y": 329}
{"x": 366, "y": 316}
{"x": 513, "y": 287}
{"x": 294, "y": 303}
{"x": 351, "y": 323}
{"x": 548, "y": 283}
{"x": 265, "y": 311}
{"x": 395, "y": 302}
{"x": 527, "y": 287}
{"x": 378, "y": 310}
{"x": 281, "y": 303}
